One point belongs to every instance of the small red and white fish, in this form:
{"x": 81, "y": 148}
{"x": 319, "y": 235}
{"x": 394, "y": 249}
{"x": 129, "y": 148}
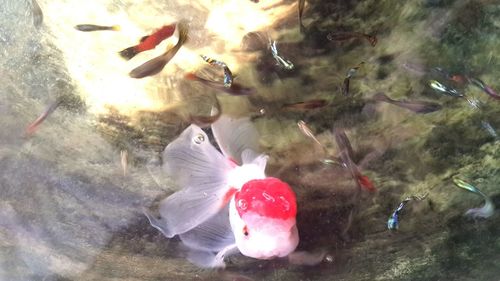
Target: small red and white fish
{"x": 156, "y": 65}
{"x": 31, "y": 129}
{"x": 149, "y": 42}
{"x": 227, "y": 203}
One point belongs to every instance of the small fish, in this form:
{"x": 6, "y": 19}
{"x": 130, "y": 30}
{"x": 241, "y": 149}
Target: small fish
{"x": 346, "y": 153}
{"x": 235, "y": 89}
{"x": 487, "y": 126}
{"x": 307, "y": 131}
{"x": 228, "y": 75}
{"x": 487, "y": 89}
{"x": 333, "y": 162}
{"x": 149, "y": 42}
{"x": 286, "y": 64}
{"x": 227, "y": 203}
{"x": 154, "y": 66}
{"x": 34, "y": 126}
{"x": 301, "y": 11}
{"x": 484, "y": 212}
{"x": 444, "y": 89}
{"x": 415, "y": 106}
{"x": 37, "y": 13}
{"x": 341, "y": 36}
{"x": 306, "y": 105}
{"x": 124, "y": 161}
{"x": 350, "y": 73}
{"x": 393, "y": 221}
{"x": 93, "y": 27}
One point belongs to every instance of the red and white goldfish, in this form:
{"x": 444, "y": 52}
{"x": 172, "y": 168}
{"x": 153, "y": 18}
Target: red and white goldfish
{"x": 227, "y": 203}
{"x": 149, "y": 42}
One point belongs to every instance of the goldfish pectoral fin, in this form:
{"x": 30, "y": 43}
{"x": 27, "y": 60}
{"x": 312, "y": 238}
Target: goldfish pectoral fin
{"x": 213, "y": 235}
{"x": 206, "y": 259}
{"x": 234, "y": 136}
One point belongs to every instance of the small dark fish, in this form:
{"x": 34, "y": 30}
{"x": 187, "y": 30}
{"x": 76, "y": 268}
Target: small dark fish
{"x": 149, "y": 42}
{"x": 37, "y": 13}
{"x": 228, "y": 75}
{"x": 350, "y": 73}
{"x": 235, "y": 89}
{"x": 156, "y": 65}
{"x": 342, "y": 36}
{"x": 93, "y": 27}
{"x": 345, "y": 86}
{"x": 393, "y": 221}
{"x": 346, "y": 153}
{"x": 487, "y": 89}
{"x": 31, "y": 129}
{"x": 301, "y": 11}
{"x": 306, "y": 105}
{"x": 415, "y": 106}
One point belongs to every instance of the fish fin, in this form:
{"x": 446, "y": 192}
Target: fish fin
{"x": 249, "y": 156}
{"x": 129, "y": 52}
{"x": 210, "y": 259}
{"x": 306, "y": 258}
{"x": 194, "y": 164}
{"x": 212, "y": 236}
{"x": 144, "y": 38}
{"x": 183, "y": 32}
{"x": 149, "y": 68}
{"x": 115, "y": 28}
{"x": 234, "y": 136}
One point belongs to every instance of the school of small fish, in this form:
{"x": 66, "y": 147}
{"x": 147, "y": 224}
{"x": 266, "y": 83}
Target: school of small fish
{"x": 227, "y": 203}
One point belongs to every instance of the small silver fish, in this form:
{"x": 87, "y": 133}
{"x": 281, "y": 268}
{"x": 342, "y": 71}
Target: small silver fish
{"x": 487, "y": 126}
{"x": 280, "y": 61}
{"x": 444, "y": 89}
{"x": 307, "y": 131}
{"x": 484, "y": 212}
{"x": 228, "y": 75}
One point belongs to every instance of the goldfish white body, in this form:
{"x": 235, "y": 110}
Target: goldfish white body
{"x": 226, "y": 202}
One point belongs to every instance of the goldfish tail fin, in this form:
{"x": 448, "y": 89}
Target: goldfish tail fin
{"x": 128, "y": 53}
{"x": 201, "y": 170}
{"x": 116, "y": 28}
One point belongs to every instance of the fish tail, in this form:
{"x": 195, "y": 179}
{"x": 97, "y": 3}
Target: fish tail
{"x": 183, "y": 33}
{"x": 129, "y": 52}
{"x": 115, "y": 28}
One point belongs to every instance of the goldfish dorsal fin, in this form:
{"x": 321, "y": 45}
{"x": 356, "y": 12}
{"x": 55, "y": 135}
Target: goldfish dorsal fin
{"x": 234, "y": 136}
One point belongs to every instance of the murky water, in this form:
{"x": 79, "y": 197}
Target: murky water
{"x": 69, "y": 212}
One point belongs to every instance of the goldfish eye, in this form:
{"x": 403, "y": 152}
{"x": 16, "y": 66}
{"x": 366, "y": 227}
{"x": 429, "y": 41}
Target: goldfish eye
{"x": 245, "y": 230}
{"x": 198, "y": 139}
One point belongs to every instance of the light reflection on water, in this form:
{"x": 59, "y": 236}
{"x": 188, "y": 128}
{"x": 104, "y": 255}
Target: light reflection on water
{"x": 68, "y": 213}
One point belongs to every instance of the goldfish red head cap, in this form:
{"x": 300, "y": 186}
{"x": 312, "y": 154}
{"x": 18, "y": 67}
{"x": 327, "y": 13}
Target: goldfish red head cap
{"x": 269, "y": 197}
